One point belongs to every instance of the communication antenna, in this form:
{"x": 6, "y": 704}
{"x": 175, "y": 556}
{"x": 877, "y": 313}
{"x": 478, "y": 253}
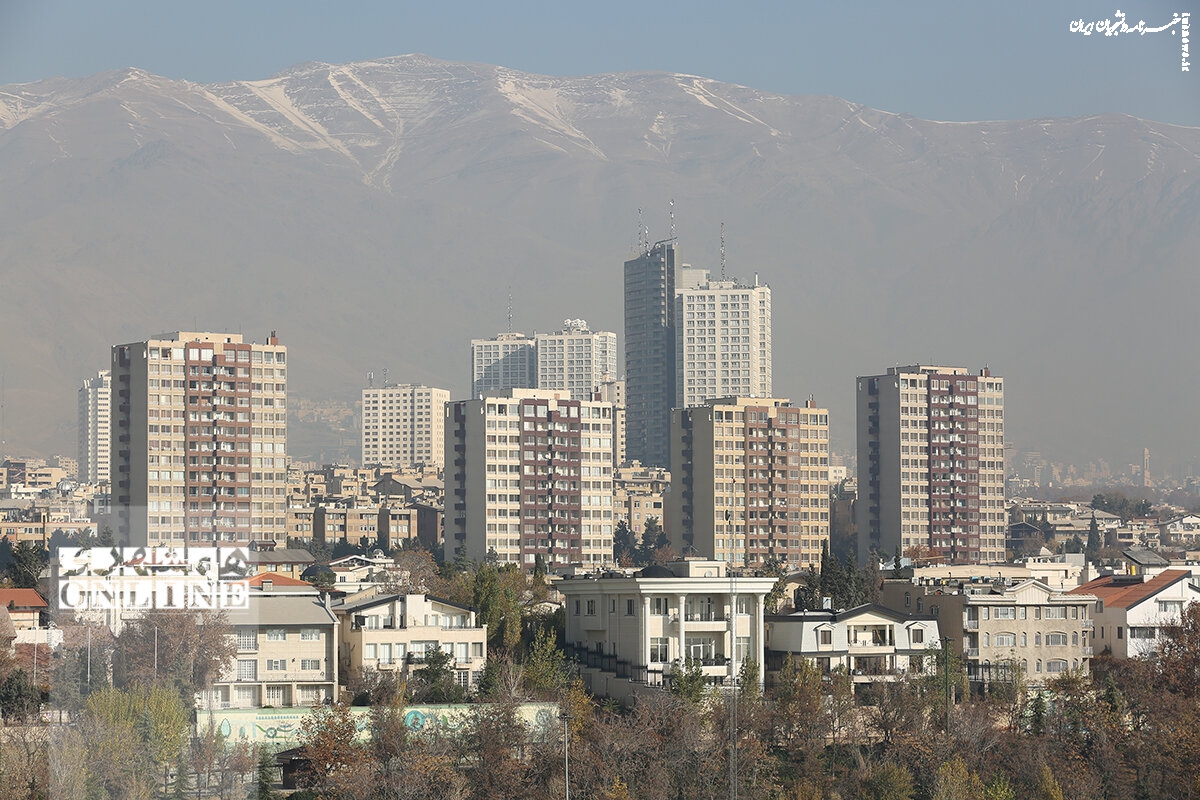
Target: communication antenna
{"x": 643, "y": 233}
{"x": 722, "y": 251}
{"x": 385, "y": 376}
{"x": 510, "y": 309}
{"x": 672, "y": 213}
{"x": 370, "y": 380}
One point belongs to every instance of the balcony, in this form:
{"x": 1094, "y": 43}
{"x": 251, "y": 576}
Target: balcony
{"x": 972, "y": 625}
{"x": 1089, "y": 623}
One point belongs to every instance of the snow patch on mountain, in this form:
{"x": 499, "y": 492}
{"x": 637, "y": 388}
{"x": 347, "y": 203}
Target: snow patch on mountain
{"x": 540, "y": 106}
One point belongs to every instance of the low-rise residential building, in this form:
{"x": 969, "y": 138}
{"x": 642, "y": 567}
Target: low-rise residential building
{"x": 1004, "y": 627}
{"x": 388, "y": 631}
{"x": 870, "y": 642}
{"x": 633, "y": 631}
{"x": 25, "y": 607}
{"x": 287, "y": 653}
{"x": 1132, "y": 610}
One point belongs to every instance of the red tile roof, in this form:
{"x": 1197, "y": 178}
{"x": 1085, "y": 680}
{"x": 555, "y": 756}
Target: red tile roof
{"x": 276, "y": 579}
{"x": 1127, "y": 595}
{"x": 21, "y": 598}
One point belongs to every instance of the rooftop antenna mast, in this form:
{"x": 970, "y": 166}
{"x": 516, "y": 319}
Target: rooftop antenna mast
{"x": 722, "y": 251}
{"x": 385, "y": 377}
{"x": 643, "y": 234}
{"x": 370, "y": 380}
{"x": 510, "y": 309}
{"x": 672, "y": 212}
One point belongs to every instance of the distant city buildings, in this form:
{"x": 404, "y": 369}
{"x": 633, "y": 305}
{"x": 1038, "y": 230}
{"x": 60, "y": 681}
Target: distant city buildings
{"x": 94, "y": 433}
{"x": 650, "y": 354}
{"x": 509, "y": 361}
{"x": 751, "y": 483}
{"x": 722, "y": 342}
{"x": 575, "y": 359}
{"x": 529, "y": 473}
{"x": 199, "y": 439}
{"x": 931, "y": 464}
{"x": 402, "y": 425}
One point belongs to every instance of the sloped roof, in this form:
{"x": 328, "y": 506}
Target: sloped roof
{"x": 1119, "y": 594}
{"x": 21, "y": 598}
{"x": 1145, "y": 558}
{"x": 276, "y": 579}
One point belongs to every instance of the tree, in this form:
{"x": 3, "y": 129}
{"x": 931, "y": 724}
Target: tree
{"x": 624, "y": 546}
{"x": 545, "y": 665}
{"x": 1093, "y": 539}
{"x": 185, "y": 650}
{"x": 886, "y": 782}
{"x": 688, "y": 681}
{"x": 28, "y": 561}
{"x": 955, "y": 782}
{"x": 264, "y": 775}
{"x": 19, "y": 699}
{"x": 329, "y": 738}
{"x": 436, "y": 681}
{"x": 653, "y": 538}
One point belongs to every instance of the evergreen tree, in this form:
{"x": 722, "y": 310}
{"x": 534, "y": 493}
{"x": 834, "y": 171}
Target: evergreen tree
{"x": 1093, "y": 540}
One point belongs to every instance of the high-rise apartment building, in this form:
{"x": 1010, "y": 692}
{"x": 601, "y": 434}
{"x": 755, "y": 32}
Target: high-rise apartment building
{"x": 575, "y": 359}
{"x": 751, "y": 481}
{"x": 94, "y": 433}
{"x": 402, "y": 425}
{"x": 530, "y": 473}
{"x": 650, "y": 353}
{"x": 199, "y": 439}
{"x": 508, "y": 361}
{"x": 931, "y": 464}
{"x": 722, "y": 342}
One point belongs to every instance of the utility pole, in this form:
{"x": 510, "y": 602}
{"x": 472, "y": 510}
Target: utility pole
{"x": 946, "y": 648}
{"x": 566, "y": 756}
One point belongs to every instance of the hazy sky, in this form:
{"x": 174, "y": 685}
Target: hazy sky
{"x": 936, "y": 60}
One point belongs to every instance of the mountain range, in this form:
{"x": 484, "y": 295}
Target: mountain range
{"x": 380, "y": 214}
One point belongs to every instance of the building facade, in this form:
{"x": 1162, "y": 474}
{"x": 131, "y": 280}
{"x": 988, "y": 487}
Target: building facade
{"x": 509, "y": 361}
{"x": 530, "y": 473}
{"x": 630, "y": 632}
{"x": 402, "y": 425}
{"x": 576, "y": 359}
{"x": 870, "y": 643}
{"x": 1132, "y": 610}
{"x": 650, "y": 354}
{"x": 931, "y": 464}
{"x": 752, "y": 481}
{"x": 394, "y": 632}
{"x": 95, "y": 432}
{"x": 722, "y": 342}
{"x": 199, "y": 439}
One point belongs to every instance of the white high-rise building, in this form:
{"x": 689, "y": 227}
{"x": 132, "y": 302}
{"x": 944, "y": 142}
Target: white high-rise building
{"x": 722, "y": 342}
{"x": 199, "y": 440}
{"x": 403, "y": 425}
{"x": 508, "y": 361}
{"x": 95, "y": 414}
{"x": 575, "y": 359}
{"x": 931, "y": 464}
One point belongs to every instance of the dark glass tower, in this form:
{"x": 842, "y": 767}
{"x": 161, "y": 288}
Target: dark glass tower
{"x": 650, "y": 354}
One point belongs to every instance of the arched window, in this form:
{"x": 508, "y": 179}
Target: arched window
{"x": 987, "y": 640}
{"x": 1039, "y": 665}
{"x": 1024, "y": 639}
{"x": 1074, "y": 637}
{"x": 1037, "y": 641}
{"x": 907, "y": 599}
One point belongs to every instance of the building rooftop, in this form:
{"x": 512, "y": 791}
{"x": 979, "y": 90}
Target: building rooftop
{"x": 21, "y": 598}
{"x": 1126, "y": 591}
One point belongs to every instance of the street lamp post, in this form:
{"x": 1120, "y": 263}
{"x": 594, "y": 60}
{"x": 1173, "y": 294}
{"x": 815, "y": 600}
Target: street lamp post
{"x": 566, "y": 756}
{"x": 946, "y": 649}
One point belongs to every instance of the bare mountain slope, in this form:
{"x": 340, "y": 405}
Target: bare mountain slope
{"x": 378, "y": 213}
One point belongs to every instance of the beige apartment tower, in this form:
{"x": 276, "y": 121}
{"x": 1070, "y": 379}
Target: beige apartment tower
{"x": 529, "y": 473}
{"x": 722, "y": 342}
{"x": 751, "y": 482}
{"x": 199, "y": 440}
{"x": 931, "y": 464}
{"x": 575, "y": 359}
{"x": 402, "y": 426}
{"x": 94, "y": 433}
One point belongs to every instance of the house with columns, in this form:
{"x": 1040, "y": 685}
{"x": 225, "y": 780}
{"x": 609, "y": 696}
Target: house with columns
{"x": 633, "y": 631}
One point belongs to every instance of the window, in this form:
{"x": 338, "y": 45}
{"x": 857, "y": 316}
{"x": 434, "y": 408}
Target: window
{"x": 369, "y": 652}
{"x": 629, "y": 608}
{"x": 310, "y": 634}
{"x": 247, "y": 670}
{"x": 1171, "y": 607}
{"x": 826, "y": 636}
{"x": 1056, "y": 666}
{"x": 1120, "y": 632}
{"x": 1141, "y": 633}
{"x": 660, "y": 604}
{"x": 1005, "y": 612}
{"x": 918, "y": 635}
{"x": 987, "y": 640}
{"x": 591, "y": 608}
{"x": 1056, "y": 639}
{"x": 577, "y": 608}
{"x": 1056, "y": 612}
{"x": 247, "y": 639}
{"x": 276, "y": 635}
{"x": 659, "y": 650}
{"x": 310, "y": 663}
